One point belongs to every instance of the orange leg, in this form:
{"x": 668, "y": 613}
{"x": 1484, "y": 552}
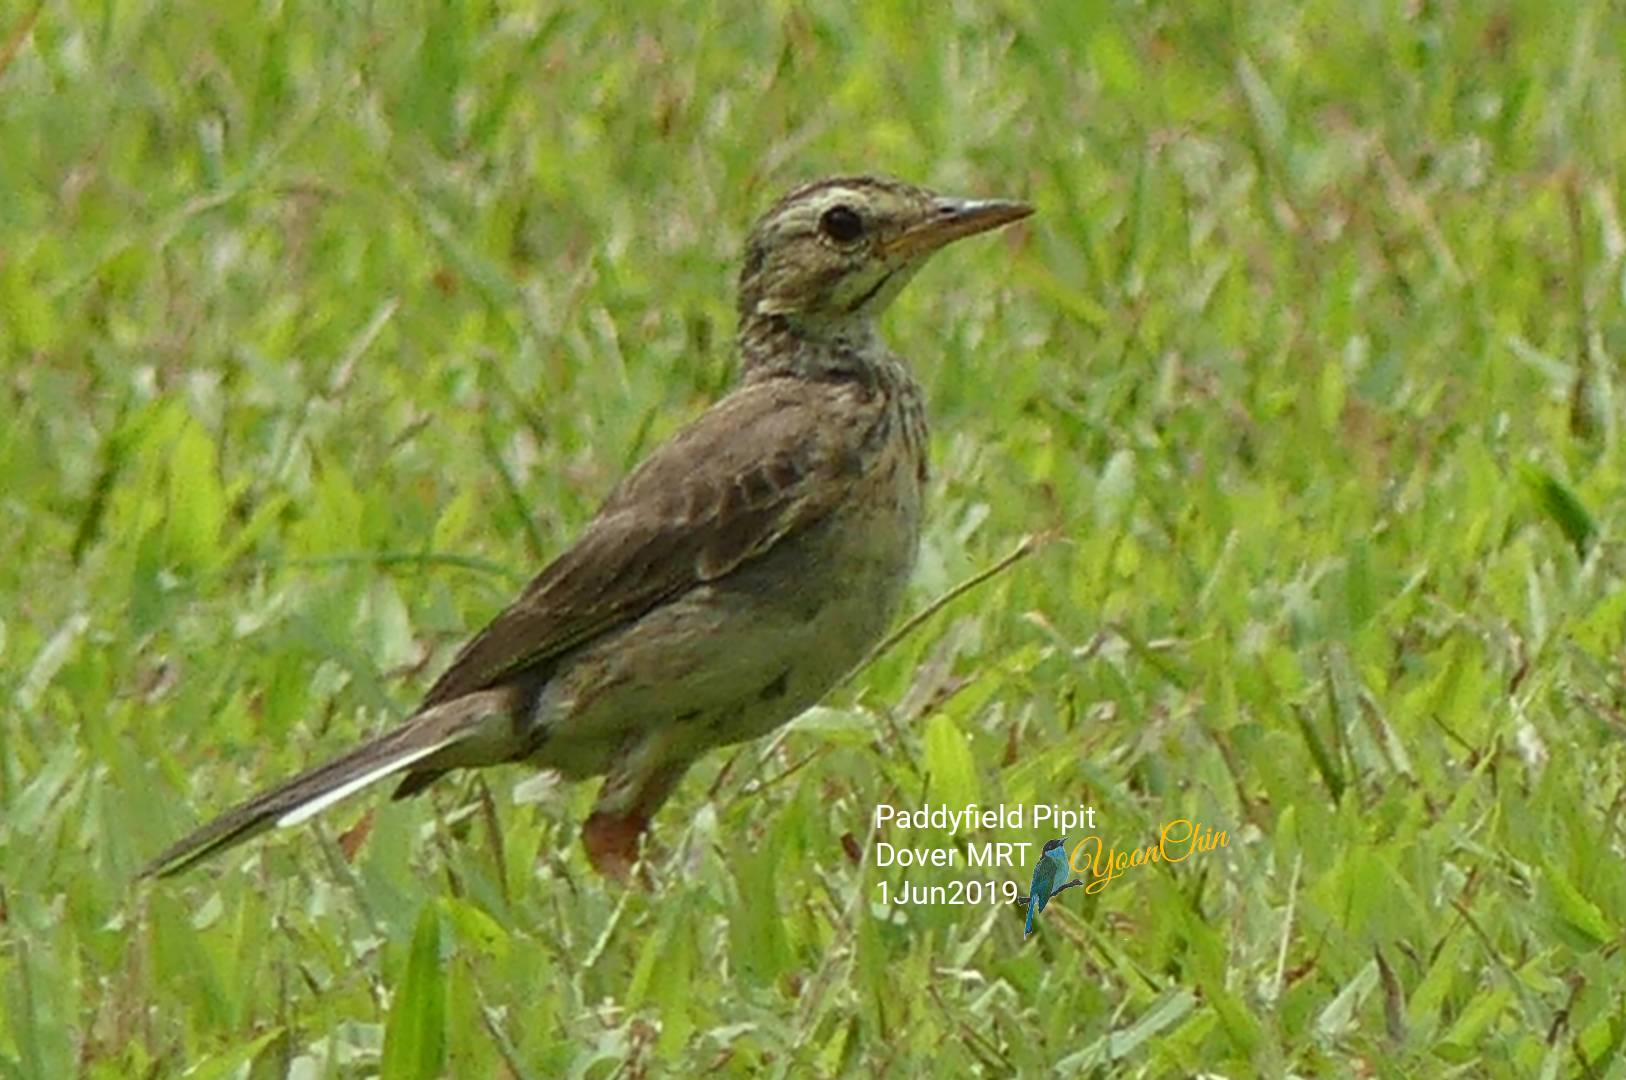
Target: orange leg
{"x": 621, "y": 816}
{"x": 612, "y": 843}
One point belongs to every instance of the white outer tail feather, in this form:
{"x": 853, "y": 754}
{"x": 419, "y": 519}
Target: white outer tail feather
{"x": 305, "y": 811}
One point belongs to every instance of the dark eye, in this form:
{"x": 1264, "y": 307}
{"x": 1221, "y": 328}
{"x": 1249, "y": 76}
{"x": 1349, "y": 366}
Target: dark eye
{"x": 841, "y": 224}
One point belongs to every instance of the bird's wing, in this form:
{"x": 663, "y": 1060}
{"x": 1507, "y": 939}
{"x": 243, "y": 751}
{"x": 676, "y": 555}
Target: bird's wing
{"x": 1044, "y": 882}
{"x": 771, "y": 458}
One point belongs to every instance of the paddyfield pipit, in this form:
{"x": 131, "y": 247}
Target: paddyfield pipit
{"x": 731, "y": 579}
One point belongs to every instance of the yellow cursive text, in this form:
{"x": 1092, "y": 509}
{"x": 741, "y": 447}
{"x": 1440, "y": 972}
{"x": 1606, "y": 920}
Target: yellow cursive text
{"x": 1177, "y": 841}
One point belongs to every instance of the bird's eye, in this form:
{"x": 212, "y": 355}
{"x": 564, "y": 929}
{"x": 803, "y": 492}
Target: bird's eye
{"x": 841, "y": 224}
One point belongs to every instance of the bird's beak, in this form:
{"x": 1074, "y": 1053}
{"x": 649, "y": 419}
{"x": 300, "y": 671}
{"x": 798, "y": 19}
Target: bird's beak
{"x": 952, "y": 219}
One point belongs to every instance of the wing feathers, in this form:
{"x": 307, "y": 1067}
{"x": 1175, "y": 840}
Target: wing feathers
{"x": 773, "y": 457}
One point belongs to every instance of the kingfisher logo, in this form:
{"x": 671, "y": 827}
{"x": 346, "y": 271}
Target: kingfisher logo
{"x": 1049, "y": 878}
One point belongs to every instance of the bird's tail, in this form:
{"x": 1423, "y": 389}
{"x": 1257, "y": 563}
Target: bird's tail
{"x": 474, "y": 729}
{"x": 1033, "y": 909}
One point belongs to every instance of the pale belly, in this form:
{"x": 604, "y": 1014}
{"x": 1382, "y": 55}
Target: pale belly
{"x": 736, "y": 658}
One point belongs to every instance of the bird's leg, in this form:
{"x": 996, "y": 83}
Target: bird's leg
{"x": 636, "y": 787}
{"x": 611, "y": 841}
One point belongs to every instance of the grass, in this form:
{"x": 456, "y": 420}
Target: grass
{"x": 323, "y": 326}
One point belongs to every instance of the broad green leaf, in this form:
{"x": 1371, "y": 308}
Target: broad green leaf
{"x": 415, "y": 1034}
{"x": 1578, "y": 914}
{"x": 1560, "y": 503}
{"x": 950, "y": 768}
{"x": 196, "y": 500}
{"x": 1166, "y": 1011}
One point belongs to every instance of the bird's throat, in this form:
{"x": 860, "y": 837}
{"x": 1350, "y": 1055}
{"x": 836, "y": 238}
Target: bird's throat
{"x": 778, "y": 345}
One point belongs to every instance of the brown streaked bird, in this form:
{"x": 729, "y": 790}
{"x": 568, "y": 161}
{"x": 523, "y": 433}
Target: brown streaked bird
{"x": 729, "y": 580}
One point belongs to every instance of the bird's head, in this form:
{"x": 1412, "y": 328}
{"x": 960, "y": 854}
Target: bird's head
{"x": 1055, "y": 847}
{"x": 831, "y": 255}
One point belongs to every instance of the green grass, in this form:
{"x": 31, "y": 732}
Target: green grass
{"x": 324, "y": 325}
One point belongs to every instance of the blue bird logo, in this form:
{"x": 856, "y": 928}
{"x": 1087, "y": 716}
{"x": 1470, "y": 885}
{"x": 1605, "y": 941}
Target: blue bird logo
{"x": 1051, "y": 869}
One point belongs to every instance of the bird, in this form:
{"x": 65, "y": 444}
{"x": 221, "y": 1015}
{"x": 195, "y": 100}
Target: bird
{"x": 729, "y": 580}
{"x": 1051, "y": 868}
